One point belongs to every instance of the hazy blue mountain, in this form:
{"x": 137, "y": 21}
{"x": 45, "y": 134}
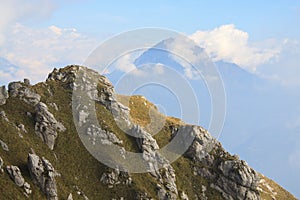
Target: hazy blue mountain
{"x": 258, "y": 112}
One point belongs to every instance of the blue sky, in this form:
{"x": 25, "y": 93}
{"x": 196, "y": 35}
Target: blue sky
{"x": 262, "y": 37}
{"x": 81, "y": 26}
{"x": 260, "y": 19}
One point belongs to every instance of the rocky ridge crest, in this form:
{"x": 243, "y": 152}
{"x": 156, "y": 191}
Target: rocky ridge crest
{"x": 226, "y": 175}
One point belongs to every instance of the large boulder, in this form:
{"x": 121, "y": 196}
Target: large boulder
{"x": 43, "y": 175}
{"x": 15, "y": 174}
{"x": 4, "y": 146}
{"x": 24, "y": 92}
{"x": 46, "y": 126}
{"x": 3, "y": 95}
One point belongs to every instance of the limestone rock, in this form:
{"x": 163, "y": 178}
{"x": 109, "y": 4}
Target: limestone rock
{"x": 1, "y": 165}
{"x": 54, "y": 106}
{"x": 96, "y": 133}
{"x": 70, "y": 197}
{"x": 115, "y": 177}
{"x": 4, "y": 146}
{"x": 46, "y": 126}
{"x": 15, "y": 174}
{"x": 142, "y": 196}
{"x": 183, "y": 196}
{"x": 240, "y": 172}
{"x": 26, "y": 81}
{"x": 66, "y": 75}
{"x": 27, "y": 189}
{"x": 159, "y": 167}
{"x": 233, "y": 178}
{"x": 3, "y": 95}
{"x": 24, "y": 92}
{"x": 3, "y": 116}
{"x": 22, "y": 128}
{"x": 43, "y": 175}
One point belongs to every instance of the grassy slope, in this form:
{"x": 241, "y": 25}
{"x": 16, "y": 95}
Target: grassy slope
{"x": 76, "y": 165}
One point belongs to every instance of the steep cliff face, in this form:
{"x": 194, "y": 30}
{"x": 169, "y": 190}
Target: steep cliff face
{"x": 46, "y": 159}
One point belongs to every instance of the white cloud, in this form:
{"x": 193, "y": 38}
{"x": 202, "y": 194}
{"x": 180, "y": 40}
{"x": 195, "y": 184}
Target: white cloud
{"x": 15, "y": 10}
{"x": 183, "y": 51}
{"x": 36, "y": 51}
{"x": 286, "y": 68}
{"x": 125, "y": 63}
{"x": 231, "y": 44}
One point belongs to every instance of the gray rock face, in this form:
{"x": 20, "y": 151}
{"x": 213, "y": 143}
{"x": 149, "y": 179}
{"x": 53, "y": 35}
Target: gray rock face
{"x": 115, "y": 177}
{"x": 24, "y": 92}
{"x": 15, "y": 174}
{"x": 3, "y": 95}
{"x": 183, "y": 196}
{"x": 240, "y": 172}
{"x": 46, "y": 126}
{"x": 70, "y": 197}
{"x": 1, "y": 165}
{"x": 159, "y": 167}
{"x": 43, "y": 175}
{"x": 65, "y": 76}
{"x": 26, "y": 81}
{"x": 105, "y": 137}
{"x": 103, "y": 93}
{"x": 142, "y": 196}
{"x": 22, "y": 128}
{"x": 233, "y": 178}
{"x": 3, "y": 116}
{"x": 4, "y": 146}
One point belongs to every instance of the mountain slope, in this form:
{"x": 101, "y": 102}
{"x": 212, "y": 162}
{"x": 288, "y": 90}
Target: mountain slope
{"x": 37, "y": 123}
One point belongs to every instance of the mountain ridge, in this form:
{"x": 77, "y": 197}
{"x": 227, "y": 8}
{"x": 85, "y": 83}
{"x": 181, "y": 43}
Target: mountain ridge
{"x": 37, "y": 120}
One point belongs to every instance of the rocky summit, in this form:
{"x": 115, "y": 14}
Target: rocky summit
{"x": 42, "y": 156}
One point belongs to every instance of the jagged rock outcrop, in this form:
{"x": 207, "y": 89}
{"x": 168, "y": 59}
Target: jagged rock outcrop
{"x": 65, "y": 76}
{"x": 104, "y": 94}
{"x": 16, "y": 175}
{"x": 114, "y": 177}
{"x": 24, "y": 92}
{"x": 46, "y": 126}
{"x": 233, "y": 178}
{"x": 158, "y": 165}
{"x": 3, "y": 95}
{"x": 43, "y": 175}
{"x": 26, "y": 81}
{"x": 105, "y": 137}
{"x": 4, "y": 145}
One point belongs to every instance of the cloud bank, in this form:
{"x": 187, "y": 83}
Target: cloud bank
{"x": 37, "y": 51}
{"x": 232, "y": 45}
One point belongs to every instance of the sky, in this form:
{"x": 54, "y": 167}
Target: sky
{"x": 46, "y": 33}
{"x": 262, "y": 37}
